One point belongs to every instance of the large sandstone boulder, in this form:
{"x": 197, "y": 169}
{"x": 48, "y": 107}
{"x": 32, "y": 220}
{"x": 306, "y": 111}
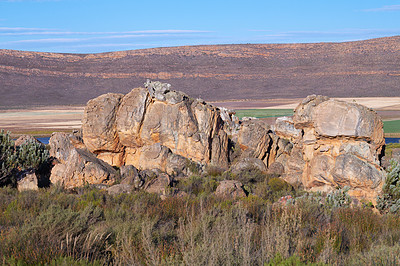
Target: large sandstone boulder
{"x": 77, "y": 167}
{"x": 98, "y": 125}
{"x": 154, "y": 127}
{"x": 340, "y": 145}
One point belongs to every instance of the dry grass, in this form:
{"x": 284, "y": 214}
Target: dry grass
{"x": 54, "y": 227}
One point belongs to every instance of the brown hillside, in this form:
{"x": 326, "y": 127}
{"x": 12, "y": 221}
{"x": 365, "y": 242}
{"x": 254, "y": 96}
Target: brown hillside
{"x": 213, "y": 72}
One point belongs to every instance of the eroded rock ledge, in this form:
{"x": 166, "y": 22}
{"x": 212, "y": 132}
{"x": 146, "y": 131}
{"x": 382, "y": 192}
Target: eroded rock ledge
{"x": 327, "y": 144}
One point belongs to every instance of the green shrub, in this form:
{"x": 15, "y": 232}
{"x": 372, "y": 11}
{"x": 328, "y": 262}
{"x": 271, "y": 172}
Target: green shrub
{"x": 338, "y": 198}
{"x": 14, "y": 159}
{"x": 197, "y": 185}
{"x": 250, "y": 175}
{"x": 389, "y": 201}
{"x": 278, "y": 260}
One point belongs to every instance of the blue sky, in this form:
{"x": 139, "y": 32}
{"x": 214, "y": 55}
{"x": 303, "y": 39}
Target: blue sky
{"x": 87, "y": 26}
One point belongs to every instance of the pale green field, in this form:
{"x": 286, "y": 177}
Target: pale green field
{"x": 263, "y": 113}
{"x": 391, "y": 127}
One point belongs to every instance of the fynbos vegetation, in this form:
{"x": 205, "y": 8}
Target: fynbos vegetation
{"x": 90, "y": 226}
{"x": 15, "y": 159}
{"x": 389, "y": 201}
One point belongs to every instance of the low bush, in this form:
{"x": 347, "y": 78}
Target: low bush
{"x": 16, "y": 159}
{"x": 389, "y": 201}
{"x": 197, "y": 185}
{"x": 339, "y": 198}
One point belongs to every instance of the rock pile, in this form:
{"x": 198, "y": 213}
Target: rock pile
{"x": 335, "y": 144}
{"x": 327, "y": 144}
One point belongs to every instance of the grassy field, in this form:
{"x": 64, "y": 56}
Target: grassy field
{"x": 263, "y": 113}
{"x": 391, "y": 128}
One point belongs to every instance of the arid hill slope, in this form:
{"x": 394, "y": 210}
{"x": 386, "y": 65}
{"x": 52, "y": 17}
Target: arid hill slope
{"x": 214, "y": 72}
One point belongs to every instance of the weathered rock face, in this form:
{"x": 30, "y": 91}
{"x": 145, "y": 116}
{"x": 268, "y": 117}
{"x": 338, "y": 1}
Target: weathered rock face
{"x": 77, "y": 167}
{"x": 339, "y": 145}
{"x": 256, "y": 139}
{"x": 98, "y": 125}
{"x": 154, "y": 128}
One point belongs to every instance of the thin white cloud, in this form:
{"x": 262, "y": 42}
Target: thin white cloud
{"x": 335, "y": 33}
{"x": 383, "y": 9}
{"x": 261, "y": 30}
{"x": 15, "y": 1}
{"x": 18, "y": 29}
{"x": 48, "y": 40}
{"x": 8, "y": 31}
{"x": 101, "y": 45}
{"x": 110, "y": 37}
{"x": 104, "y": 40}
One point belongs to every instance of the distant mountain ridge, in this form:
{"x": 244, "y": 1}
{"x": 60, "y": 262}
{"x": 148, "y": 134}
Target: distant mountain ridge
{"x": 212, "y": 72}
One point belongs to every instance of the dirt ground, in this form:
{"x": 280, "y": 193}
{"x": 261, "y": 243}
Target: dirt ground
{"x": 41, "y": 121}
{"x": 45, "y": 120}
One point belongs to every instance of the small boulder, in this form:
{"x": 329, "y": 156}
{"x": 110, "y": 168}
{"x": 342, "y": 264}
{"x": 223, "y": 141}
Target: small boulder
{"x": 28, "y": 181}
{"x": 119, "y": 188}
{"x": 25, "y": 139}
{"x": 130, "y": 176}
{"x": 248, "y": 163}
{"x": 128, "y": 173}
{"x": 276, "y": 169}
{"x": 230, "y": 189}
{"x": 284, "y": 127}
{"x": 159, "y": 184}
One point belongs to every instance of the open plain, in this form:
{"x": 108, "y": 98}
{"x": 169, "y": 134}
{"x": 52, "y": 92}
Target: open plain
{"x": 41, "y": 121}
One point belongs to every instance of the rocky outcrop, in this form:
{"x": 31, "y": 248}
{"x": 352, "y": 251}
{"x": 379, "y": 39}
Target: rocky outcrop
{"x": 154, "y": 127}
{"x": 340, "y": 145}
{"x": 325, "y": 145}
{"x": 77, "y": 167}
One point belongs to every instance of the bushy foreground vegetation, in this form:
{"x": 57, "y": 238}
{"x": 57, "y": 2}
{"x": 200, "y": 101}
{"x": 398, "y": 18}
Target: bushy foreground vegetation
{"x": 16, "y": 159}
{"x": 53, "y": 226}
